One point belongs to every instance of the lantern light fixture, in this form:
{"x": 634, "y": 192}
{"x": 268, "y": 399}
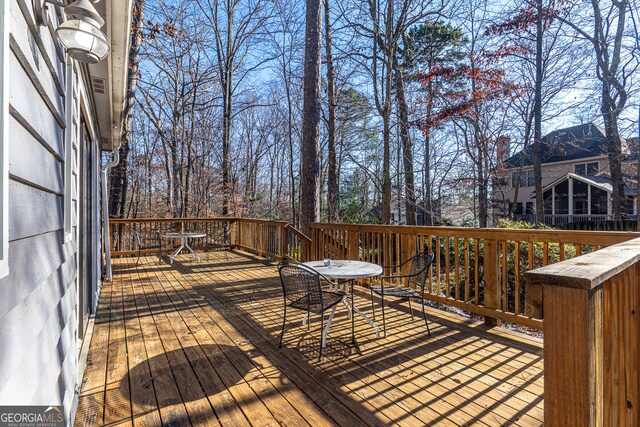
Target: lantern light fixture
{"x": 80, "y": 33}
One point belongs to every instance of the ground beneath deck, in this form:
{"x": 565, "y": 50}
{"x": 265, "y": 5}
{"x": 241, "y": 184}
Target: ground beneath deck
{"x": 196, "y": 343}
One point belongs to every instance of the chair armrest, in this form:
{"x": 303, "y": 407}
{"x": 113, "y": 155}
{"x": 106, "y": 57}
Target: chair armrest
{"x": 399, "y": 265}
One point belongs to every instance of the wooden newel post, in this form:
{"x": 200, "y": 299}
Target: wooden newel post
{"x": 111, "y": 226}
{"x": 533, "y": 301}
{"x": 573, "y": 353}
{"x": 284, "y": 244}
{"x": 591, "y": 335}
{"x": 491, "y": 282}
{"x": 233, "y": 232}
{"x": 353, "y": 250}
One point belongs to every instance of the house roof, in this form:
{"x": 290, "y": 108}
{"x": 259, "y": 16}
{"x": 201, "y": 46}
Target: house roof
{"x": 597, "y": 181}
{"x": 113, "y": 71}
{"x": 576, "y": 142}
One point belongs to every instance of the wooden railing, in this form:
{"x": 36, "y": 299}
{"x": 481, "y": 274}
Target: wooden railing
{"x": 476, "y": 270}
{"x": 275, "y": 239}
{"x": 592, "y": 337}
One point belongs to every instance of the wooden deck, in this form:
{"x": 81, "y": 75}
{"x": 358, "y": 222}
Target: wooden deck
{"x": 196, "y": 344}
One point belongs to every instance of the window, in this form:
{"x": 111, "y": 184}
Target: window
{"x": 590, "y": 168}
{"x": 518, "y": 208}
{"x": 561, "y": 202}
{"x": 580, "y": 198}
{"x": 599, "y": 201}
{"x": 526, "y": 178}
{"x": 547, "y": 197}
{"x": 4, "y": 139}
{"x": 529, "y": 208}
{"x": 630, "y": 205}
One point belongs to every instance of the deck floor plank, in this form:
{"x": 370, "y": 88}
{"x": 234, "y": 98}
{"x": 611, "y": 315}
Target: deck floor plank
{"x": 90, "y": 411}
{"x": 117, "y": 401}
{"x": 398, "y": 403}
{"x": 280, "y": 409}
{"x": 196, "y": 343}
{"x": 408, "y": 396}
{"x": 144, "y": 406}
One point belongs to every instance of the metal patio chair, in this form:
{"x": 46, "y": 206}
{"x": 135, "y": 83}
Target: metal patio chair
{"x": 147, "y": 243}
{"x": 302, "y": 290}
{"x": 417, "y": 276}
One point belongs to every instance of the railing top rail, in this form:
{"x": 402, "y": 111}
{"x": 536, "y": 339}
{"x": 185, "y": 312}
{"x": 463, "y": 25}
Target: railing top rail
{"x": 604, "y": 238}
{"x": 203, "y": 219}
{"x": 588, "y": 271}
{"x": 130, "y": 220}
{"x": 298, "y": 232}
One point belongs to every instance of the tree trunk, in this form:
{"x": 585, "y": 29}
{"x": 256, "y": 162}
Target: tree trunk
{"x": 614, "y": 151}
{"x": 386, "y": 170}
{"x": 310, "y": 174}
{"x": 332, "y": 176}
{"x": 537, "y": 117}
{"x": 428, "y": 202}
{"x": 407, "y": 148}
{"x": 118, "y": 183}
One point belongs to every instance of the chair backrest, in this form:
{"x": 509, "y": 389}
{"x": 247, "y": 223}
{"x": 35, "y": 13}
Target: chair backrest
{"x": 420, "y": 268}
{"x": 300, "y": 283}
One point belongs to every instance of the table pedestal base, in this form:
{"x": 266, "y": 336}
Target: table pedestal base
{"x": 183, "y": 245}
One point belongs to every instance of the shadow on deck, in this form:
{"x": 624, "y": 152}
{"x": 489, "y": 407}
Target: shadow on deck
{"x": 196, "y": 344}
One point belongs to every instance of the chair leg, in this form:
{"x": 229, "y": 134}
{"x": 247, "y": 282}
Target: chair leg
{"x": 424, "y": 315}
{"x": 411, "y": 309}
{"x": 384, "y": 324}
{"x": 321, "y": 332}
{"x": 284, "y": 320}
{"x": 325, "y": 332}
{"x": 373, "y": 307}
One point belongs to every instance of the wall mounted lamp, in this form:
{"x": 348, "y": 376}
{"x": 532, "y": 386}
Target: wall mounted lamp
{"x": 80, "y": 33}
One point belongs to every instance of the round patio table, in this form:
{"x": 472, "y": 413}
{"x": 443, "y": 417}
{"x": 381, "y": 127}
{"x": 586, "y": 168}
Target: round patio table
{"x": 347, "y": 271}
{"x": 184, "y": 243}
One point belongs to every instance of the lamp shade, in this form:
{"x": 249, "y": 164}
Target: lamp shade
{"x": 83, "y": 40}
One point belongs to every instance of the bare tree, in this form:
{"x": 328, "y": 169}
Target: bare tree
{"x": 310, "y": 165}
{"x": 614, "y": 70}
{"x": 118, "y": 180}
{"x": 235, "y": 25}
{"x": 332, "y": 174}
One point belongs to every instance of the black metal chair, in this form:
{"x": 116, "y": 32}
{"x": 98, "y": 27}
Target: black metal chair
{"x": 302, "y": 290}
{"x": 417, "y": 276}
{"x": 152, "y": 243}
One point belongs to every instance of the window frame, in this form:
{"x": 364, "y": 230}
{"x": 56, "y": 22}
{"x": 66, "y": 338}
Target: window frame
{"x": 4, "y": 138}
{"x": 585, "y": 166}
{"x": 68, "y": 153}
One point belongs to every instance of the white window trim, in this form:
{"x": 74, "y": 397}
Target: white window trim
{"x": 597, "y": 162}
{"x": 4, "y": 139}
{"x": 68, "y": 153}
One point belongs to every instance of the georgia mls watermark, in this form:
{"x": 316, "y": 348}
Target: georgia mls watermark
{"x": 31, "y": 416}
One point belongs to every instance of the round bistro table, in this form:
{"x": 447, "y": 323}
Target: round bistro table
{"x": 347, "y": 271}
{"x": 184, "y": 243}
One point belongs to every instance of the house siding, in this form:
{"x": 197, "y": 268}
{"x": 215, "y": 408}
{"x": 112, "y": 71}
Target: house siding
{"x": 39, "y": 297}
{"x": 550, "y": 173}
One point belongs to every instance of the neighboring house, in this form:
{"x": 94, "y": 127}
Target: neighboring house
{"x": 575, "y": 179}
{"x": 58, "y": 115}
